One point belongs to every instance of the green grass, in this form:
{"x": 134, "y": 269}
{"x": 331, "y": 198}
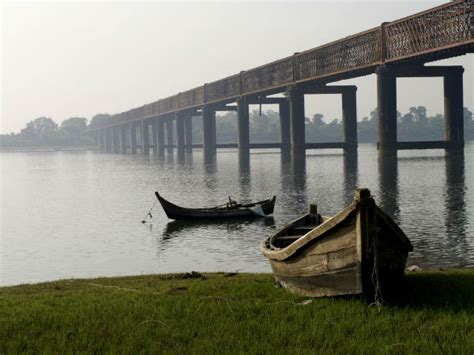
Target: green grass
{"x": 233, "y": 314}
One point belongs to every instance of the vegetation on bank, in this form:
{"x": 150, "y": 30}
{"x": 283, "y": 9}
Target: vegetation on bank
{"x": 229, "y": 313}
{"x": 415, "y": 125}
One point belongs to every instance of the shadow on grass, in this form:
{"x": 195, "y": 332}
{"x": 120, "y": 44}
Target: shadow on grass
{"x": 448, "y": 290}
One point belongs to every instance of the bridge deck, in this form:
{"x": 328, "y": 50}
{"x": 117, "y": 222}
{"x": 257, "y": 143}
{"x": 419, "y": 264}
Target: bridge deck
{"x": 441, "y": 32}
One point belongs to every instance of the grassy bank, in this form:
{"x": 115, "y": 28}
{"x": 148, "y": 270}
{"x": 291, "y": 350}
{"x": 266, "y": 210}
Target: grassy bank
{"x": 219, "y": 313}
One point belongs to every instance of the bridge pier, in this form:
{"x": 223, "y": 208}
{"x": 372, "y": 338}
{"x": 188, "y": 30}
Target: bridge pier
{"x": 154, "y": 134}
{"x": 298, "y": 141}
{"x": 387, "y": 108}
{"x": 133, "y": 138}
{"x": 209, "y": 131}
{"x": 123, "y": 138}
{"x": 180, "y": 138}
{"x": 285, "y": 137}
{"x": 454, "y": 111}
{"x": 188, "y": 133}
{"x": 102, "y": 139}
{"x": 243, "y": 126}
{"x": 145, "y": 137}
{"x": 349, "y": 119}
{"x": 160, "y": 138}
{"x": 108, "y": 139}
{"x": 169, "y": 133}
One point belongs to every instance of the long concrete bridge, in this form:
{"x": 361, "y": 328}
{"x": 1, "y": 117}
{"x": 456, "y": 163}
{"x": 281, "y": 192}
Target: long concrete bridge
{"x": 394, "y": 49}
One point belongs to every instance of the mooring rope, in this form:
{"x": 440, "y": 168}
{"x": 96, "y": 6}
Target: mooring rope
{"x": 149, "y": 212}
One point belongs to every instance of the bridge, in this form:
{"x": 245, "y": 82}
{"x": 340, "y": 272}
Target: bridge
{"x": 394, "y": 49}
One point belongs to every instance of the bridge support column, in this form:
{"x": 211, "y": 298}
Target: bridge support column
{"x": 386, "y": 111}
{"x": 209, "y": 131}
{"x": 180, "y": 132}
{"x": 109, "y": 140}
{"x": 349, "y": 119}
{"x": 188, "y": 133}
{"x": 285, "y": 137}
{"x": 102, "y": 139}
{"x": 243, "y": 127}
{"x": 298, "y": 141}
{"x": 145, "y": 137}
{"x": 133, "y": 138}
{"x": 454, "y": 111}
{"x": 123, "y": 138}
{"x": 160, "y": 139}
{"x": 169, "y": 133}
{"x": 154, "y": 134}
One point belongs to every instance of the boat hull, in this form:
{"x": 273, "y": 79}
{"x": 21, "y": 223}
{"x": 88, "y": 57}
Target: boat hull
{"x": 342, "y": 256}
{"x": 243, "y": 211}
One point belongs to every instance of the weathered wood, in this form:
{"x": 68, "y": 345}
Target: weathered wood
{"x": 342, "y": 254}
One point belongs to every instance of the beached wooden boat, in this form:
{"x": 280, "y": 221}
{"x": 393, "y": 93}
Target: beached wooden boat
{"x": 360, "y": 250}
{"x": 231, "y": 209}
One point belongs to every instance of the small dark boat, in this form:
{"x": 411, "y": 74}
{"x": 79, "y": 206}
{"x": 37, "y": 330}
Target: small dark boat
{"x": 360, "y": 250}
{"x": 231, "y": 209}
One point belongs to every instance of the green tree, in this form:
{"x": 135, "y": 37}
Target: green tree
{"x": 72, "y": 129}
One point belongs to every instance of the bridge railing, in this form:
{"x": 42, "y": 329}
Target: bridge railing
{"x": 350, "y": 53}
{"x": 431, "y": 31}
{"x": 435, "y": 29}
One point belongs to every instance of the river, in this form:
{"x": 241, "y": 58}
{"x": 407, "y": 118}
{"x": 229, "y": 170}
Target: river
{"x": 78, "y": 214}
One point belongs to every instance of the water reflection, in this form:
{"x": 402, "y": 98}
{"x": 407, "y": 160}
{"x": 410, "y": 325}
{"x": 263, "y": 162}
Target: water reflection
{"x": 351, "y": 175}
{"x": 244, "y": 176}
{"x": 388, "y": 186}
{"x": 455, "y": 207}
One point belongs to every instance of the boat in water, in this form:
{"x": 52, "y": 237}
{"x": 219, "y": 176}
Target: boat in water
{"x": 360, "y": 250}
{"x": 231, "y": 209}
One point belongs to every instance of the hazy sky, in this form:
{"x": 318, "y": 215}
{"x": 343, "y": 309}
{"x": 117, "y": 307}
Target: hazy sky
{"x": 81, "y": 58}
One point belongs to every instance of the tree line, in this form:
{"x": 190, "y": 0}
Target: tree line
{"x": 414, "y": 125}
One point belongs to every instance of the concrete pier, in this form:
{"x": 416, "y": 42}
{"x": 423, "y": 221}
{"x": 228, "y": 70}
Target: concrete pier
{"x": 102, "y": 140}
{"x": 298, "y": 140}
{"x": 454, "y": 111}
{"x": 386, "y": 110}
{"x": 145, "y": 137}
{"x": 169, "y": 133}
{"x": 109, "y": 140}
{"x": 154, "y": 134}
{"x": 209, "y": 131}
{"x": 161, "y": 136}
{"x": 243, "y": 127}
{"x": 285, "y": 136}
{"x": 123, "y": 138}
{"x": 180, "y": 138}
{"x": 188, "y": 133}
{"x": 349, "y": 119}
{"x": 133, "y": 138}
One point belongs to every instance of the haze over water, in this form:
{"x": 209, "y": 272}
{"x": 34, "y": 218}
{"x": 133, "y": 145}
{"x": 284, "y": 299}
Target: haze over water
{"x": 77, "y": 214}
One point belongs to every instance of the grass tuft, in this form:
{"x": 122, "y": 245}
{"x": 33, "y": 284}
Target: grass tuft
{"x": 216, "y": 313}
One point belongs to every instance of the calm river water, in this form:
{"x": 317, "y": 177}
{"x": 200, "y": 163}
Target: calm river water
{"x": 77, "y": 214}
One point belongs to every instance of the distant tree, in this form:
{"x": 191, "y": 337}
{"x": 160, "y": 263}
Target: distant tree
{"x": 318, "y": 119}
{"x": 72, "y": 129}
{"x": 40, "y": 131}
{"x": 99, "y": 119}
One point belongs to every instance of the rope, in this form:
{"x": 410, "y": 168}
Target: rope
{"x": 149, "y": 212}
{"x": 378, "y": 299}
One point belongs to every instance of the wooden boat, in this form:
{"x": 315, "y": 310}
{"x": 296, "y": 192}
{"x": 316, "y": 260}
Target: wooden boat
{"x": 360, "y": 250}
{"x": 231, "y": 209}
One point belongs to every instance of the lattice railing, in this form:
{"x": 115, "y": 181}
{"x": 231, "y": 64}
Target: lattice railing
{"x": 222, "y": 89}
{"x": 363, "y": 49}
{"x": 433, "y": 30}
{"x": 268, "y": 76}
{"x": 430, "y": 30}
{"x": 193, "y": 97}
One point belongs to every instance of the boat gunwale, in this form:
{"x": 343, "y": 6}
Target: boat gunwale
{"x": 316, "y": 233}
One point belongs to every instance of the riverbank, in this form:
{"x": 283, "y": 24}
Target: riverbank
{"x": 222, "y": 313}
{"x": 48, "y": 149}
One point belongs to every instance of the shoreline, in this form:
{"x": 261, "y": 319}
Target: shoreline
{"x": 230, "y": 312}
